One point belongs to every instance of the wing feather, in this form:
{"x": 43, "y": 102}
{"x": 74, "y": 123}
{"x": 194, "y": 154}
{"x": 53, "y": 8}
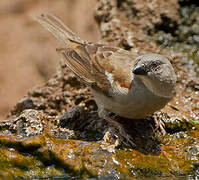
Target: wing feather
{"x": 92, "y": 63}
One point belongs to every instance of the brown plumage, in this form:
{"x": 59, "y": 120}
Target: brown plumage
{"x": 132, "y": 87}
{"x": 89, "y": 61}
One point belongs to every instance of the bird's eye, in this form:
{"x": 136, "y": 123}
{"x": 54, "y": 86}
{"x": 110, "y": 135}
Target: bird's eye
{"x": 155, "y": 63}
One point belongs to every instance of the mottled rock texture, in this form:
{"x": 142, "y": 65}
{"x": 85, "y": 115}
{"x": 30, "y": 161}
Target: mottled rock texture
{"x": 55, "y": 129}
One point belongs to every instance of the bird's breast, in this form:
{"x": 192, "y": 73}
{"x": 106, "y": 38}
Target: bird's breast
{"x": 137, "y": 103}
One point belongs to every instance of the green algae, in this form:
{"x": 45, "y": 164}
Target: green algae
{"x": 50, "y": 157}
{"x": 173, "y": 160}
{"x": 20, "y": 161}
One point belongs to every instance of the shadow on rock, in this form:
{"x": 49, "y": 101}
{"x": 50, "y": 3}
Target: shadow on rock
{"x": 86, "y": 125}
{"x": 89, "y": 127}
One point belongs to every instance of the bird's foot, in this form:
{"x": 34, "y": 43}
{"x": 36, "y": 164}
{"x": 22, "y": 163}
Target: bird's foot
{"x": 159, "y": 124}
{"x": 118, "y": 129}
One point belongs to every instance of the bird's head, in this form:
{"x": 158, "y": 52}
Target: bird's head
{"x": 156, "y": 73}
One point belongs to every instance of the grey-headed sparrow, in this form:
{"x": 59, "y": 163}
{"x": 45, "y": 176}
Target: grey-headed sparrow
{"x": 127, "y": 86}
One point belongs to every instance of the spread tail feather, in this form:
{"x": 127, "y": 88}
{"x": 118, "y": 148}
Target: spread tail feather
{"x": 57, "y": 28}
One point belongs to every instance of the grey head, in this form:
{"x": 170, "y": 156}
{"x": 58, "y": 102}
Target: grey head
{"x": 156, "y": 73}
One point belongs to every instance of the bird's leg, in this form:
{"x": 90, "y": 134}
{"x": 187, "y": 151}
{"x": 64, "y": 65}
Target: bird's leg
{"x": 105, "y": 114}
{"x": 159, "y": 124}
{"x": 120, "y": 131}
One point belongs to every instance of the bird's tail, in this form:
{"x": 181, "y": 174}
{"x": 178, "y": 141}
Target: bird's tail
{"x": 57, "y": 28}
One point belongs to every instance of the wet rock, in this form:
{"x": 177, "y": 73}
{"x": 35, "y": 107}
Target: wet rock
{"x": 86, "y": 125}
{"x": 193, "y": 152}
{"x": 73, "y": 115}
{"x": 29, "y": 123}
{"x": 63, "y": 133}
{"x": 56, "y": 132}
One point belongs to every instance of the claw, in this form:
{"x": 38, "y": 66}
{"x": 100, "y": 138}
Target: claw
{"x": 159, "y": 124}
{"x": 122, "y": 135}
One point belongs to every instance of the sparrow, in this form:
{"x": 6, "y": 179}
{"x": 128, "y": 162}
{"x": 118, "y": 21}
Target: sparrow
{"x": 129, "y": 86}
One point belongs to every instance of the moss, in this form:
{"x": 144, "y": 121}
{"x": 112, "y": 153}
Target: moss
{"x": 45, "y": 156}
{"x": 173, "y": 159}
{"x": 33, "y": 157}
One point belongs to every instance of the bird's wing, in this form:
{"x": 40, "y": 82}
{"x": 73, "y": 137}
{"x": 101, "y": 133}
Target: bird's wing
{"x": 101, "y": 67}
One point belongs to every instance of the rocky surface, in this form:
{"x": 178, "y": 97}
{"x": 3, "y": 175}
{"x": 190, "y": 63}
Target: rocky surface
{"x": 54, "y": 131}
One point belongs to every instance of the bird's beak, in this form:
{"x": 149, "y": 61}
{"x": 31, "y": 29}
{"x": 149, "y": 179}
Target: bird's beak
{"x": 140, "y": 70}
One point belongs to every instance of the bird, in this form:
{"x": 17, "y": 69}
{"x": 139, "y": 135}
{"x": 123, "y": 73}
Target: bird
{"x": 121, "y": 83}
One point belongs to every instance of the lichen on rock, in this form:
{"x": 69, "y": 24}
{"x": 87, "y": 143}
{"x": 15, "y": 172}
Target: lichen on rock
{"x": 55, "y": 131}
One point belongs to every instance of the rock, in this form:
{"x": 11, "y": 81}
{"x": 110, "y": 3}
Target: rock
{"x": 25, "y": 103}
{"x": 29, "y": 123}
{"x": 56, "y": 132}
